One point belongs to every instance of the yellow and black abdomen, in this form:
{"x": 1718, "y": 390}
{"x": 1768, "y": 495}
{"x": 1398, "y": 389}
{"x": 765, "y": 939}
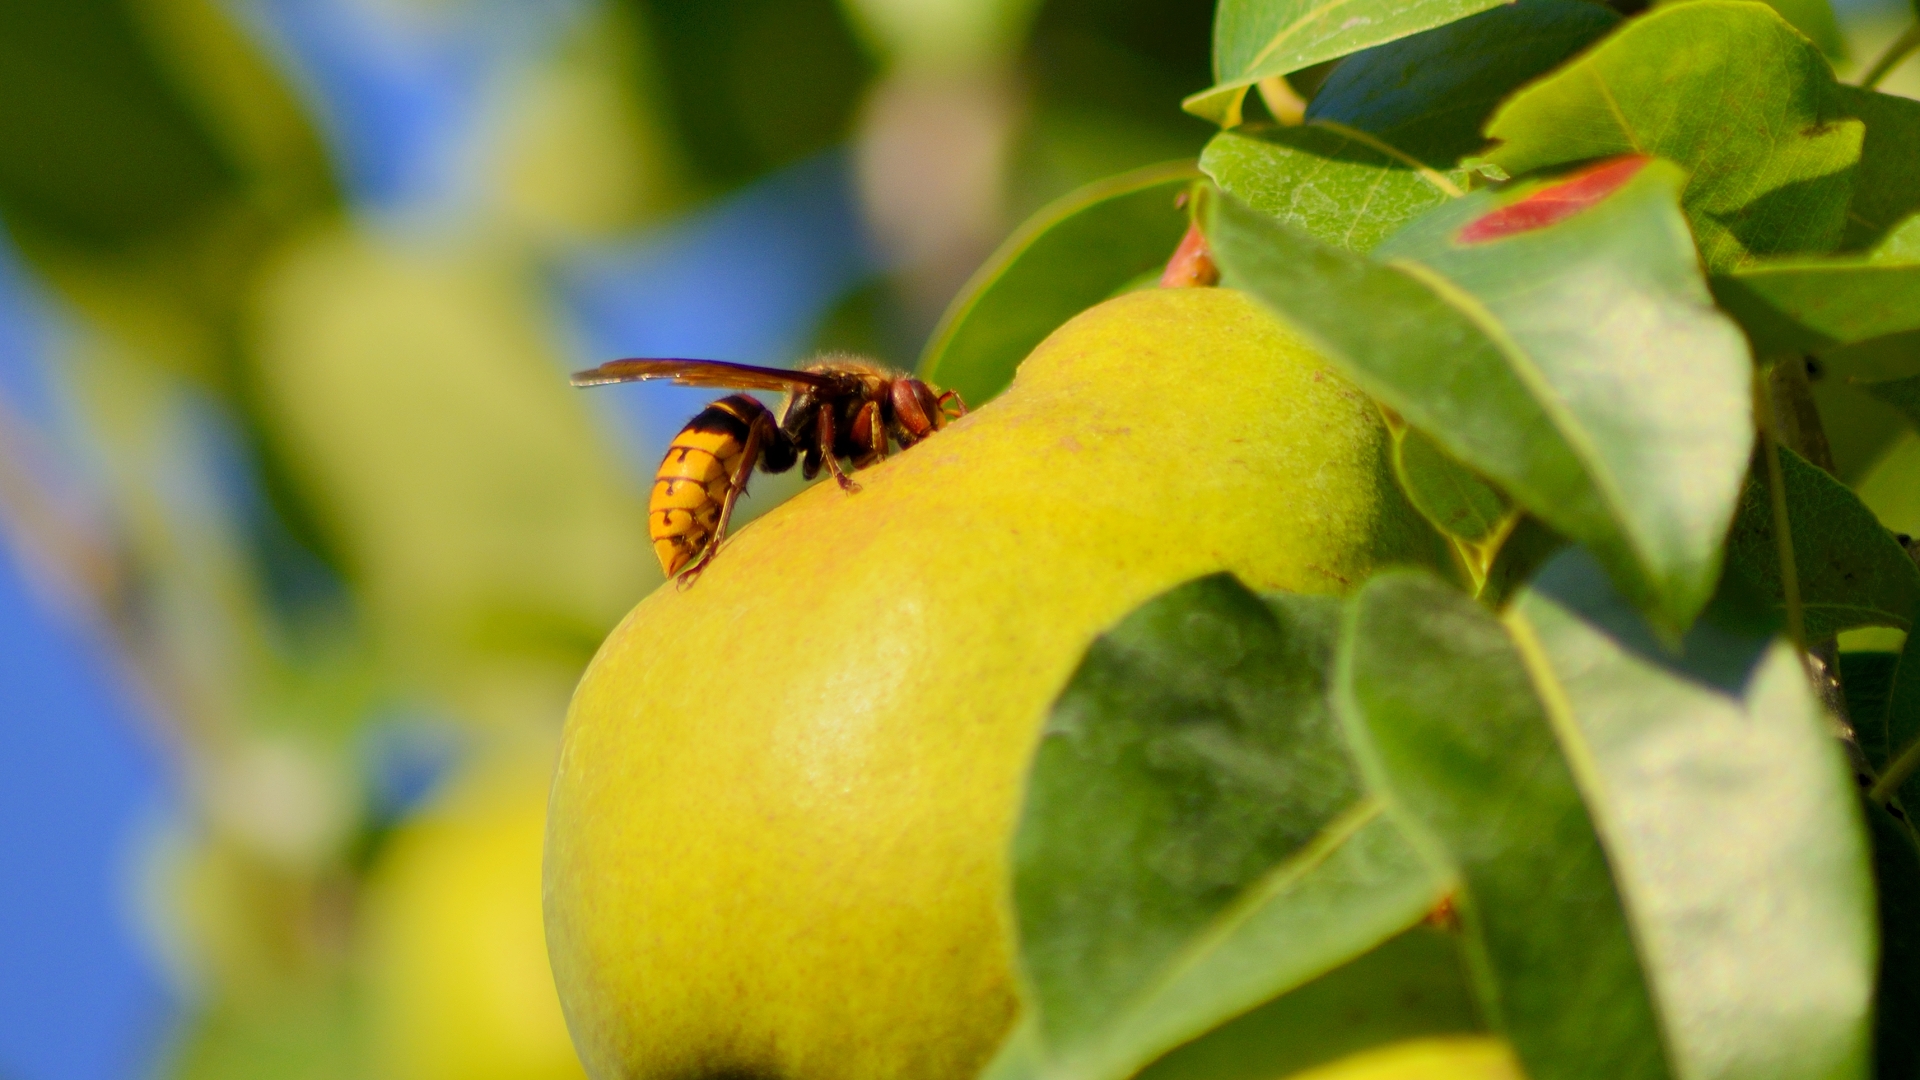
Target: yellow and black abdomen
{"x": 690, "y": 490}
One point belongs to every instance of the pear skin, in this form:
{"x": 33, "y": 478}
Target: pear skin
{"x": 777, "y": 834}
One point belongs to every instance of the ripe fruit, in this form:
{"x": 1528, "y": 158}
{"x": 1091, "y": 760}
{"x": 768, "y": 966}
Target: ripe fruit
{"x": 777, "y": 830}
{"x": 457, "y": 963}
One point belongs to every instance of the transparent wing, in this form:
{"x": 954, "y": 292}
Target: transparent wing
{"x": 714, "y": 373}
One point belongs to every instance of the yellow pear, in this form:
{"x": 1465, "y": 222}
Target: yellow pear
{"x": 457, "y": 965}
{"x": 778, "y": 830}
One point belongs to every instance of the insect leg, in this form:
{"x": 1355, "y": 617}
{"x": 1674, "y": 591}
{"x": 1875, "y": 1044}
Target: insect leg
{"x": 951, "y": 397}
{"x": 762, "y": 433}
{"x": 870, "y": 435}
{"x": 827, "y": 435}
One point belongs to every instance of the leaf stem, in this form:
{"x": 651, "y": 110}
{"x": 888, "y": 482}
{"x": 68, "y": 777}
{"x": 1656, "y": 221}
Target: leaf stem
{"x": 1782, "y": 525}
{"x": 1902, "y": 47}
{"x": 1897, "y": 772}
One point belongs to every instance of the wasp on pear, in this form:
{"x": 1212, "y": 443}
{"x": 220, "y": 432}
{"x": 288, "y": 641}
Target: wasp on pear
{"x": 838, "y": 407}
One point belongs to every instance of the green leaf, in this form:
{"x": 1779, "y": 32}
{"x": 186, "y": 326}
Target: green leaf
{"x": 1884, "y": 193}
{"x": 1068, "y": 257}
{"x": 1883, "y": 703}
{"x": 1815, "y": 19}
{"x": 1851, "y": 570}
{"x": 1257, "y": 39}
{"x": 1808, "y": 303}
{"x": 1728, "y": 816}
{"x": 1554, "y": 341}
{"x": 1194, "y": 840}
{"x": 1448, "y": 493}
{"x": 97, "y": 145}
{"x": 1902, "y": 394}
{"x": 1342, "y": 187}
{"x": 1429, "y": 94}
{"x": 1896, "y": 867}
{"x": 1728, "y": 90}
{"x": 1440, "y": 708}
{"x": 1410, "y": 987}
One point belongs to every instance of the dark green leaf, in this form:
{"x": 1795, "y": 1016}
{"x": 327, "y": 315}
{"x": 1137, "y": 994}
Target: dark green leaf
{"x": 1429, "y": 94}
{"x": 1902, "y": 394}
{"x": 1448, "y": 493}
{"x": 1851, "y": 570}
{"x": 1728, "y": 90}
{"x": 97, "y": 145}
{"x": 1194, "y": 840}
{"x": 1729, "y": 818}
{"x": 1065, "y": 259}
{"x": 1883, "y": 703}
{"x": 1808, "y": 303}
{"x": 1526, "y": 549}
{"x": 1896, "y": 866}
{"x": 752, "y": 84}
{"x": 1440, "y": 707}
{"x": 1256, "y": 39}
{"x": 1409, "y": 987}
{"x": 1342, "y": 187}
{"x": 1884, "y": 192}
{"x": 1554, "y": 342}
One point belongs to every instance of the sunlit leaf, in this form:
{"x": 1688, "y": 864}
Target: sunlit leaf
{"x": 1851, "y": 571}
{"x": 1440, "y": 706}
{"x": 1065, "y": 259}
{"x": 1255, "y": 39}
{"x": 1586, "y": 373}
{"x": 1729, "y": 818}
{"x": 1429, "y": 94}
{"x": 1409, "y": 988}
{"x": 1809, "y": 303}
{"x": 1728, "y": 90}
{"x": 1194, "y": 840}
{"x": 1340, "y": 186}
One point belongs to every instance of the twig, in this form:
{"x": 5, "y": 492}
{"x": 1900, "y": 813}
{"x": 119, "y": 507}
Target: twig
{"x": 1902, "y": 47}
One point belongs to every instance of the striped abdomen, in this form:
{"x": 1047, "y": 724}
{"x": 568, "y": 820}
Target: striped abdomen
{"x": 690, "y": 489}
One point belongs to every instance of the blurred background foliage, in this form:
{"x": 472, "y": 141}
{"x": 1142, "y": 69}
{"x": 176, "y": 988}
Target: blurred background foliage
{"x": 307, "y": 538}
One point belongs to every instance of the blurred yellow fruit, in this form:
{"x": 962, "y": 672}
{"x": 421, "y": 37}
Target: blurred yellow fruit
{"x": 461, "y": 989}
{"x": 1462, "y": 1057}
{"x": 778, "y": 825}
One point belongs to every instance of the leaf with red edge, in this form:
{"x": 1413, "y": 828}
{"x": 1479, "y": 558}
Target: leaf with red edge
{"x": 1555, "y": 202}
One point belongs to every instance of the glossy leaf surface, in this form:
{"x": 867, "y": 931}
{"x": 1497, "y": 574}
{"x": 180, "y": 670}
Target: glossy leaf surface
{"x": 1441, "y": 709}
{"x": 1729, "y": 818}
{"x": 1585, "y": 373}
{"x": 1255, "y": 39}
{"x": 1070, "y": 256}
{"x": 1339, "y": 186}
{"x": 1194, "y": 839}
{"x": 1728, "y": 90}
{"x": 1429, "y": 94}
{"x": 1809, "y": 303}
